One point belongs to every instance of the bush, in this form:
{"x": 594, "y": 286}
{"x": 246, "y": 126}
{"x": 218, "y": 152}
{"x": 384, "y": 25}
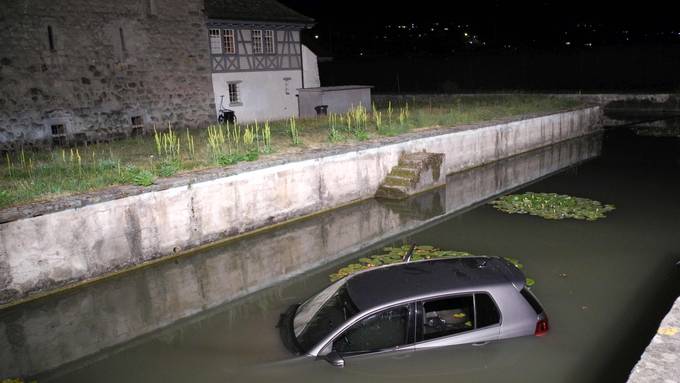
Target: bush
{"x": 138, "y": 176}
{"x": 167, "y": 168}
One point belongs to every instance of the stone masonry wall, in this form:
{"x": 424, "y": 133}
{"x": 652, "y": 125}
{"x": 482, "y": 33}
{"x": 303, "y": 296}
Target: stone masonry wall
{"x": 92, "y": 65}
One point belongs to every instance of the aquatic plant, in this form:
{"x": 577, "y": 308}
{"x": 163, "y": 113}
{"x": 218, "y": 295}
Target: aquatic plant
{"x": 396, "y": 254}
{"x": 552, "y": 206}
{"x": 669, "y": 131}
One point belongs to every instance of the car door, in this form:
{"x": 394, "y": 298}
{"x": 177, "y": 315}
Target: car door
{"x": 457, "y": 319}
{"x": 390, "y": 329}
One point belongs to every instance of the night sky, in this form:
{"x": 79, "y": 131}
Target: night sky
{"x": 390, "y": 28}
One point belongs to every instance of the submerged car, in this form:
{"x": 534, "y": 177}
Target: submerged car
{"x": 412, "y": 306}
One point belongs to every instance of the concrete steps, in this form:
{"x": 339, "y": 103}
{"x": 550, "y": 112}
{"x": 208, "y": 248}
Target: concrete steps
{"x": 414, "y": 173}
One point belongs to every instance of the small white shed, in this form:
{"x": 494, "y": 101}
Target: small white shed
{"x": 333, "y": 99}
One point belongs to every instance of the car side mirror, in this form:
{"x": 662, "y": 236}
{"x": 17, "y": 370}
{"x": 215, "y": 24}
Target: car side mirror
{"x": 335, "y": 359}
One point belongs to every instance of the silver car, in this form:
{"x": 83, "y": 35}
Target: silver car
{"x": 413, "y": 306}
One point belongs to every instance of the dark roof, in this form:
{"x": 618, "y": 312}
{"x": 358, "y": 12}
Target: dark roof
{"x": 253, "y": 10}
{"x": 383, "y": 285}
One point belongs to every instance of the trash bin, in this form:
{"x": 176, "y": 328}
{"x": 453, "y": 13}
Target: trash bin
{"x": 227, "y": 115}
{"x": 321, "y": 110}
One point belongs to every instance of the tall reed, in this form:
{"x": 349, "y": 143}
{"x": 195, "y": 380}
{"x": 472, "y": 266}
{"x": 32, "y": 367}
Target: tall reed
{"x": 293, "y": 130}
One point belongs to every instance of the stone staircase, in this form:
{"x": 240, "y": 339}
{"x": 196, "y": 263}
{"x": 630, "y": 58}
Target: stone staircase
{"x": 414, "y": 173}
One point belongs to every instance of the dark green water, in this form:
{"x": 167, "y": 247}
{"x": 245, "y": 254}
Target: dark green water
{"x": 605, "y": 286}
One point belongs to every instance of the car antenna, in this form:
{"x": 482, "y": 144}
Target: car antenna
{"x": 407, "y": 256}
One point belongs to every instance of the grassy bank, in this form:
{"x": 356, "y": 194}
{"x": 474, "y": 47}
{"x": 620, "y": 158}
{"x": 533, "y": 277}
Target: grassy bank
{"x": 29, "y": 176}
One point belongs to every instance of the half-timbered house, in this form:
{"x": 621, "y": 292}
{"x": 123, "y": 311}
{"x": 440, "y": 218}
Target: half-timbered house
{"x": 257, "y": 59}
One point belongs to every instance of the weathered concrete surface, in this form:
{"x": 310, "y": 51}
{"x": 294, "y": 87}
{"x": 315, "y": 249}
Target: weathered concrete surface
{"x": 661, "y": 360}
{"x": 42, "y": 335}
{"x": 644, "y": 101}
{"x": 44, "y": 252}
{"x": 414, "y": 173}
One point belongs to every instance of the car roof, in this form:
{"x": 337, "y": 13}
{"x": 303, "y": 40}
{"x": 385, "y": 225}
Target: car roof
{"x": 403, "y": 281}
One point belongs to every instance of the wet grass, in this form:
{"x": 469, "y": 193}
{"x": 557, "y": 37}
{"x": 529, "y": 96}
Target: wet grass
{"x": 29, "y": 176}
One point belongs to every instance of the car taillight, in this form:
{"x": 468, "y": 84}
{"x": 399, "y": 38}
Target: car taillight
{"x": 542, "y": 327}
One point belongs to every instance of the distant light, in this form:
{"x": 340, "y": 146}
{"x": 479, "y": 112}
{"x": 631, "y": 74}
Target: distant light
{"x": 465, "y": 34}
{"x": 316, "y": 37}
{"x": 567, "y": 43}
{"x": 588, "y": 44}
{"x": 447, "y": 28}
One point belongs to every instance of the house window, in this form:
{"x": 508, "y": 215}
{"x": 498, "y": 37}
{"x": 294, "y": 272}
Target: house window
{"x": 137, "y": 126}
{"x": 234, "y": 93}
{"x": 268, "y": 41}
{"x": 215, "y": 41}
{"x": 257, "y": 42}
{"x": 229, "y": 43}
{"x": 58, "y": 134}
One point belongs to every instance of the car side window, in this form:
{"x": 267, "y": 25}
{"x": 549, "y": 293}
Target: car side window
{"x": 487, "y": 312}
{"x": 384, "y": 330}
{"x": 447, "y": 316}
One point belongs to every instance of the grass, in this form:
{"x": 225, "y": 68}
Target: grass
{"x": 29, "y": 176}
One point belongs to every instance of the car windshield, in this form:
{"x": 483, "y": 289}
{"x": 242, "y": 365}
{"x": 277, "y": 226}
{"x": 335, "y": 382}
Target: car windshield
{"x": 322, "y": 314}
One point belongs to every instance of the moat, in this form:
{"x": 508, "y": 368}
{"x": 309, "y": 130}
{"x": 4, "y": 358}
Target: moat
{"x": 605, "y": 284}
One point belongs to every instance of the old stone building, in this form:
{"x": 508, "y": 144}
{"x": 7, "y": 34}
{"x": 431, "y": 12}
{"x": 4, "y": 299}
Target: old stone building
{"x": 84, "y": 70}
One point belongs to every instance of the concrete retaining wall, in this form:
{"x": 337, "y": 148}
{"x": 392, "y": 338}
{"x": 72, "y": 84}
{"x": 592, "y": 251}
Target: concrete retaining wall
{"x": 42, "y": 335}
{"x": 659, "y": 362}
{"x": 41, "y": 253}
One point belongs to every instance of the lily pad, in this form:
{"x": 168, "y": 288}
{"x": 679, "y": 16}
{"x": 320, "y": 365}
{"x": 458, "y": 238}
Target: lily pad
{"x": 552, "y": 206}
{"x": 669, "y": 131}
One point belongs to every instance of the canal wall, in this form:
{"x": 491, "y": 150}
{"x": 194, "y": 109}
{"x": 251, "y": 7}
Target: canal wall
{"x": 50, "y": 246}
{"x": 42, "y": 335}
{"x": 661, "y": 360}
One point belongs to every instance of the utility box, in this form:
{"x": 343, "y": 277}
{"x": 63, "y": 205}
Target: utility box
{"x": 333, "y": 99}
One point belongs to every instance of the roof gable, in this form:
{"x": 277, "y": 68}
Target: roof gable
{"x": 254, "y": 10}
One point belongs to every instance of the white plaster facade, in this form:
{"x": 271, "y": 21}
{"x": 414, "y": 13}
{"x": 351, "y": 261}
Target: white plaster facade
{"x": 310, "y": 69}
{"x": 267, "y": 83}
{"x": 264, "y": 95}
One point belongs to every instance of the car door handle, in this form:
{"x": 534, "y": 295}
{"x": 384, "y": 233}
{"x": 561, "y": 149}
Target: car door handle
{"x": 480, "y": 343}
